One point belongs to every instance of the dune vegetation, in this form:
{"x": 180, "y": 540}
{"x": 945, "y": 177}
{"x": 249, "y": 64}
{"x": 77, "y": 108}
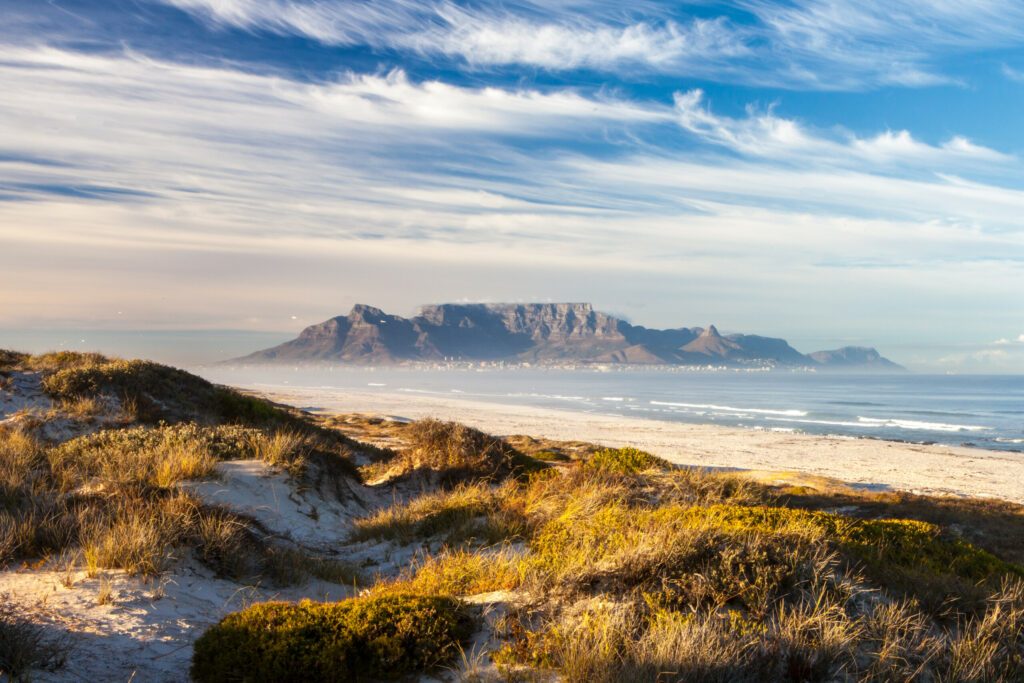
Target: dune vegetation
{"x": 613, "y": 565}
{"x": 485, "y": 558}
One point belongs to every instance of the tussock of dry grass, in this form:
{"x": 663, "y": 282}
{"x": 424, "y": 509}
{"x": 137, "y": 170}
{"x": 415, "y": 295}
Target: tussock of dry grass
{"x": 284, "y": 449}
{"x": 460, "y": 572}
{"x": 469, "y": 512}
{"x": 460, "y": 452}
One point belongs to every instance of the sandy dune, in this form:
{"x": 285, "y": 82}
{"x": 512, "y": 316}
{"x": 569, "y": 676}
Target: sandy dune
{"x": 862, "y": 462}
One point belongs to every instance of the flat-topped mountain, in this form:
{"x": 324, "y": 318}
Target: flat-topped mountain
{"x": 540, "y": 333}
{"x": 854, "y": 357}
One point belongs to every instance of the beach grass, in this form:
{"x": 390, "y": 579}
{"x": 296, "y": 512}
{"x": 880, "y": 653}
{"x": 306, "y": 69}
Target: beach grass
{"x": 569, "y": 560}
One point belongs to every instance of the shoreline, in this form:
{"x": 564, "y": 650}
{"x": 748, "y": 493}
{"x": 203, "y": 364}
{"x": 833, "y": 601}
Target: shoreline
{"x": 862, "y": 462}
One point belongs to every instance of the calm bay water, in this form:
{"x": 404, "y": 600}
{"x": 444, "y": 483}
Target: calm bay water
{"x": 983, "y": 411}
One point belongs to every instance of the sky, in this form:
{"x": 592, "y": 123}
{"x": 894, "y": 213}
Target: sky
{"x": 233, "y": 170}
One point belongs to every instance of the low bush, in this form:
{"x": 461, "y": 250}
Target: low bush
{"x": 626, "y": 461}
{"x": 366, "y": 638}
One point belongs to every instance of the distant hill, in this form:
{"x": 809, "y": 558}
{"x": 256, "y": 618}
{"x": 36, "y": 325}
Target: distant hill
{"x": 540, "y": 333}
{"x": 854, "y": 357}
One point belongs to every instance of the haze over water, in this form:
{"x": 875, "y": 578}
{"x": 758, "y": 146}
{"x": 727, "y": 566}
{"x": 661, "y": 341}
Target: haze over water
{"x": 975, "y": 410}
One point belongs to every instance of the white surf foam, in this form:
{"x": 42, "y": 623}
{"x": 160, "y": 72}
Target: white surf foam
{"x": 918, "y": 425}
{"x": 874, "y": 423}
{"x": 831, "y": 423}
{"x": 731, "y": 409}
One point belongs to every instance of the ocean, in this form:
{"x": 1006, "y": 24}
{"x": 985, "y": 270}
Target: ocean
{"x": 962, "y": 410}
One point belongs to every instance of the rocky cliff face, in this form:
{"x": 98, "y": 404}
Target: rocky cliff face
{"x": 544, "y": 333}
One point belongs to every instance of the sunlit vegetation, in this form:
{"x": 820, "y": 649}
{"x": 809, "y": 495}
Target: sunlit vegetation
{"x": 603, "y": 564}
{"x": 113, "y": 498}
{"x": 620, "y": 567}
{"x": 368, "y": 638}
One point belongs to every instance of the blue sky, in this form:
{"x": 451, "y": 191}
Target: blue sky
{"x": 830, "y": 172}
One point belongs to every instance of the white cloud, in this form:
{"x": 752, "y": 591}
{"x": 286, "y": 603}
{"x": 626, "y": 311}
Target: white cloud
{"x": 233, "y": 181}
{"x": 496, "y": 40}
{"x": 1013, "y": 74}
{"x": 885, "y": 41}
{"x": 816, "y": 44}
{"x": 394, "y": 100}
{"x": 335, "y": 22}
{"x": 763, "y": 134}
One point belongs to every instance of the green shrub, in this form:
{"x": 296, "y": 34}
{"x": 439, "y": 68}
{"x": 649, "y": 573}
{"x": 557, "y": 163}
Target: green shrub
{"x": 364, "y": 638}
{"x": 882, "y": 544}
{"x": 626, "y": 461}
{"x": 232, "y": 406}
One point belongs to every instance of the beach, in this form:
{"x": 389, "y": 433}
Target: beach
{"x": 867, "y": 463}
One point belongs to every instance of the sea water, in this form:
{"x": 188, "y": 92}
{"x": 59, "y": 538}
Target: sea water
{"x": 972, "y": 410}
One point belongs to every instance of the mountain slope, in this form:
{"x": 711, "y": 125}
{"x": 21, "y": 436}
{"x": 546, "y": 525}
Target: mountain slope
{"x": 538, "y": 333}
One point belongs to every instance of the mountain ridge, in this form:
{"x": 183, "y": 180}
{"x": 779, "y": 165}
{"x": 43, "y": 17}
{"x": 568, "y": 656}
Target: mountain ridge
{"x": 541, "y": 333}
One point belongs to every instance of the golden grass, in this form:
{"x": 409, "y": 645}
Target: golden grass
{"x": 645, "y": 574}
{"x": 459, "y": 452}
{"x": 621, "y": 567}
{"x": 285, "y": 449}
{"x": 82, "y": 408}
{"x": 467, "y": 512}
{"x": 112, "y": 498}
{"x": 460, "y": 573}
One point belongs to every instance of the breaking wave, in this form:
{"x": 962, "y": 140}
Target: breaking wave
{"x": 731, "y": 409}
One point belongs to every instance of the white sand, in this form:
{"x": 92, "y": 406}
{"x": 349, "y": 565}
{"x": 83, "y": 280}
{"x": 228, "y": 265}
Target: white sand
{"x": 861, "y": 462}
{"x": 146, "y": 631}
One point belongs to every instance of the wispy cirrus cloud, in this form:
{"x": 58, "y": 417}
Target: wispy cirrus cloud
{"x": 549, "y": 36}
{"x": 806, "y": 44}
{"x": 697, "y": 46}
{"x": 885, "y": 42}
{"x": 395, "y": 173}
{"x": 761, "y": 133}
{"x": 1013, "y": 74}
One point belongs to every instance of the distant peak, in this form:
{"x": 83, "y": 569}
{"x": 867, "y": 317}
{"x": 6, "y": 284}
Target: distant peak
{"x": 364, "y": 309}
{"x": 710, "y": 331}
